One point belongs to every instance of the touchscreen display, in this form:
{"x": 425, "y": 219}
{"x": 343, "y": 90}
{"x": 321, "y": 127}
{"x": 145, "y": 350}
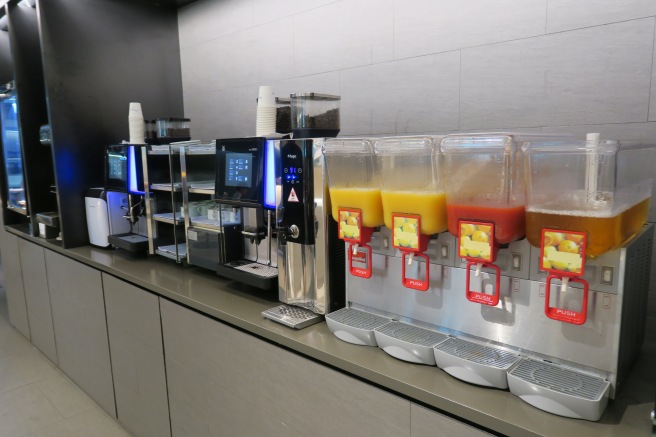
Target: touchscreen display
{"x": 117, "y": 166}
{"x": 239, "y": 170}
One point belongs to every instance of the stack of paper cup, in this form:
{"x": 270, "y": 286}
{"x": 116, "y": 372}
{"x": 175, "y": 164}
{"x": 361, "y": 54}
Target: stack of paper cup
{"x": 266, "y": 112}
{"x": 136, "y": 124}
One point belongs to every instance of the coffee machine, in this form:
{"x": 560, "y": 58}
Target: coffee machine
{"x": 561, "y": 345}
{"x": 245, "y": 197}
{"x": 125, "y": 196}
{"x": 311, "y": 258}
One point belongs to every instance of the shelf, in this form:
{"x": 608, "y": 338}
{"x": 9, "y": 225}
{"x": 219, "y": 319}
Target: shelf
{"x": 203, "y": 222}
{"x": 202, "y": 187}
{"x": 169, "y": 251}
{"x": 167, "y": 217}
{"x": 167, "y": 187}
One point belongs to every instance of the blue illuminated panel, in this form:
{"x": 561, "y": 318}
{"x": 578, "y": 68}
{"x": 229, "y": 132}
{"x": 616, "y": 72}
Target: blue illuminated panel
{"x": 269, "y": 176}
{"x": 133, "y": 168}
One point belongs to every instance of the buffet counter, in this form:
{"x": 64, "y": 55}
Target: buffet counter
{"x": 489, "y": 410}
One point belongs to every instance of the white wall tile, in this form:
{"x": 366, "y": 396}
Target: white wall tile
{"x": 206, "y": 20}
{"x": 356, "y": 90}
{"x": 652, "y": 100}
{"x": 596, "y": 75}
{"x": 566, "y": 14}
{"x": 341, "y": 35}
{"x": 416, "y": 95}
{"x": 253, "y": 56}
{"x": 270, "y": 10}
{"x": 432, "y": 26}
{"x": 222, "y": 114}
{"x": 325, "y": 83}
{"x": 412, "y": 95}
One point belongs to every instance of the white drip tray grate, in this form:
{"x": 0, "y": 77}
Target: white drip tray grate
{"x": 476, "y": 353}
{"x": 559, "y": 379}
{"x": 411, "y": 334}
{"x": 357, "y": 319}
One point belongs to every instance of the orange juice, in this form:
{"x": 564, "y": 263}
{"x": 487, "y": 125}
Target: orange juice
{"x": 366, "y": 199}
{"x": 430, "y": 206}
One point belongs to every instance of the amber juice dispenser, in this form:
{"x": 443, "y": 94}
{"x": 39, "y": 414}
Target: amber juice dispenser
{"x": 584, "y": 198}
{"x": 357, "y": 206}
{"x": 412, "y": 192}
{"x": 484, "y": 200}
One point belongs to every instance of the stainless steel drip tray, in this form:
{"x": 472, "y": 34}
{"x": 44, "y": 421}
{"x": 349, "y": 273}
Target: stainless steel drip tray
{"x": 408, "y": 342}
{"x": 559, "y": 390}
{"x": 475, "y": 363}
{"x": 355, "y": 326}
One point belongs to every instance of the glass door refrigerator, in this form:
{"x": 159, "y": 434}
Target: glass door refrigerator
{"x": 11, "y": 149}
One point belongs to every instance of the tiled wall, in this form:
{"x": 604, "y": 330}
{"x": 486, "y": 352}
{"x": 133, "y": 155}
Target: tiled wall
{"x": 426, "y": 65}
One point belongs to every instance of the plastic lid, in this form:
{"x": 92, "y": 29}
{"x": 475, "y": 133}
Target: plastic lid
{"x": 404, "y": 145}
{"x": 598, "y": 147}
{"x": 314, "y": 96}
{"x": 483, "y": 143}
{"x": 347, "y": 146}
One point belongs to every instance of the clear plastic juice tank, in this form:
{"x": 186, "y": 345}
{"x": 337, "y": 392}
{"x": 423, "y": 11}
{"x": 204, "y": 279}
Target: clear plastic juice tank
{"x": 353, "y": 181}
{"x": 600, "y": 188}
{"x": 484, "y": 182}
{"x": 411, "y": 181}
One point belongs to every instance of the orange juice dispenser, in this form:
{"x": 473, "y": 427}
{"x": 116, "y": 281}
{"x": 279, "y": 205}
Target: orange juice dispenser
{"x": 584, "y": 198}
{"x": 484, "y": 201}
{"x": 354, "y": 189}
{"x": 412, "y": 192}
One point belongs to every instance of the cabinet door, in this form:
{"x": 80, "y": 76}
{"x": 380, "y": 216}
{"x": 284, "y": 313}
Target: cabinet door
{"x": 11, "y": 267}
{"x": 37, "y": 298}
{"x": 78, "y": 315}
{"x": 135, "y": 340}
{"x": 225, "y": 382}
{"x": 428, "y": 423}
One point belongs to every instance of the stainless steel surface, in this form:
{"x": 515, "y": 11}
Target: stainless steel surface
{"x": 518, "y": 322}
{"x": 305, "y": 281}
{"x": 498, "y": 411}
{"x": 256, "y": 269}
{"x": 292, "y": 316}
{"x": 150, "y": 202}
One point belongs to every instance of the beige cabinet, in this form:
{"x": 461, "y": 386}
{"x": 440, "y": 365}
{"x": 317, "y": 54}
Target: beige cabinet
{"x": 135, "y": 340}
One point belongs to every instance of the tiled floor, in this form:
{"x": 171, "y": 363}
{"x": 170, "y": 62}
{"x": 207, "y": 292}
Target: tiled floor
{"x": 36, "y": 399}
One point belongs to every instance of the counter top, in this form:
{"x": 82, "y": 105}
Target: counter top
{"x": 496, "y": 410}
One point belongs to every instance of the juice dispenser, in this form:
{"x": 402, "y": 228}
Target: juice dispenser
{"x": 584, "y": 198}
{"x": 355, "y": 197}
{"x": 412, "y": 192}
{"x": 484, "y": 200}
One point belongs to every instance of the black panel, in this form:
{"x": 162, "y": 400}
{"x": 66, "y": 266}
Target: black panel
{"x": 6, "y": 61}
{"x": 297, "y": 191}
{"x": 32, "y": 112}
{"x": 99, "y": 56}
{"x": 239, "y": 171}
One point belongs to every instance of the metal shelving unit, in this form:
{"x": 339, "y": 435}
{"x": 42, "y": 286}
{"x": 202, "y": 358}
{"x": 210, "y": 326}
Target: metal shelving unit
{"x": 162, "y": 174}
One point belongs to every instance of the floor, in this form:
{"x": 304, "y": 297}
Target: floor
{"x": 36, "y": 399}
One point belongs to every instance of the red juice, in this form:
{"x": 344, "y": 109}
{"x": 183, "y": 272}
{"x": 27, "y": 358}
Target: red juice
{"x": 509, "y": 223}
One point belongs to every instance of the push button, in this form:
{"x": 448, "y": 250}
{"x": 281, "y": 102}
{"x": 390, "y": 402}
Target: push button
{"x": 607, "y": 275}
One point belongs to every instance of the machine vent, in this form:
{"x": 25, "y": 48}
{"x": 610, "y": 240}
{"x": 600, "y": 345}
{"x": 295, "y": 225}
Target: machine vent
{"x": 412, "y": 334}
{"x": 558, "y": 379}
{"x": 477, "y": 353}
{"x": 357, "y": 319}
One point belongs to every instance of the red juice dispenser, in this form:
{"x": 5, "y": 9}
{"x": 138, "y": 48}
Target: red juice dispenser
{"x": 484, "y": 200}
{"x": 354, "y": 188}
{"x": 412, "y": 192}
{"x": 584, "y": 198}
